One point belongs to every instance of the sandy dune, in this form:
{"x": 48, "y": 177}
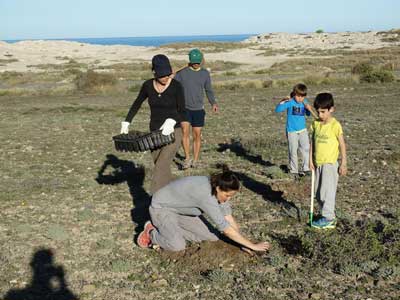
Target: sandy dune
{"x": 23, "y": 56}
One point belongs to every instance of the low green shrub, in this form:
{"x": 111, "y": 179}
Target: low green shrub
{"x": 3, "y": 62}
{"x": 57, "y": 232}
{"x": 134, "y": 88}
{"x": 362, "y": 68}
{"x": 363, "y": 246}
{"x": 90, "y": 80}
{"x": 378, "y": 75}
{"x": 10, "y": 75}
{"x": 370, "y": 74}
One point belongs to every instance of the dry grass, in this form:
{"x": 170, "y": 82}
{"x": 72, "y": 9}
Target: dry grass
{"x": 206, "y": 46}
{"x": 65, "y": 189}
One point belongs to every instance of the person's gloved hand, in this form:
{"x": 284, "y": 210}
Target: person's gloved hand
{"x": 125, "y": 127}
{"x": 168, "y": 126}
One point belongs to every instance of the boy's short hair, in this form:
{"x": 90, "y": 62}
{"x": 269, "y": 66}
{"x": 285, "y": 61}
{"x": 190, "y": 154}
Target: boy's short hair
{"x": 324, "y": 101}
{"x": 300, "y": 90}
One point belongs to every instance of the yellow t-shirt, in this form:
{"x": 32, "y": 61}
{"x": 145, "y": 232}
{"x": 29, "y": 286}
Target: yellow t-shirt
{"x": 325, "y": 139}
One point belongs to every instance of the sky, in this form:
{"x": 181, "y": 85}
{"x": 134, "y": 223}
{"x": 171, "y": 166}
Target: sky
{"x": 41, "y": 19}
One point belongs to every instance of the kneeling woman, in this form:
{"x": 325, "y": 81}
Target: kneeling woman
{"x": 175, "y": 211}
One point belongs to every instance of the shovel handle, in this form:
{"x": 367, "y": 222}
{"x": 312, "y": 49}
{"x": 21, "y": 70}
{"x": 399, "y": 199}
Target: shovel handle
{"x": 311, "y": 214}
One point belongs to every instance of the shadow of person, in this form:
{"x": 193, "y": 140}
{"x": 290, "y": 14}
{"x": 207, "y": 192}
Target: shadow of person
{"x": 48, "y": 281}
{"x": 236, "y": 147}
{"x": 134, "y": 175}
{"x": 287, "y": 207}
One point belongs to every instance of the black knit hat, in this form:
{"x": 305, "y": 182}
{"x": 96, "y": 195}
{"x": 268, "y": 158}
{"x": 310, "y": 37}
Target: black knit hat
{"x": 161, "y": 66}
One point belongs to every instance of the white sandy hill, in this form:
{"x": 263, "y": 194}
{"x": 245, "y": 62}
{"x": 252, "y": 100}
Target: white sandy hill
{"x": 324, "y": 41}
{"x": 25, "y": 55}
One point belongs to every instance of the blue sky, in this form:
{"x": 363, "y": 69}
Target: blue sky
{"x": 23, "y": 19}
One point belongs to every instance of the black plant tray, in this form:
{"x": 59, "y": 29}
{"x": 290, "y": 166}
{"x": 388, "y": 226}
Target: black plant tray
{"x": 136, "y": 141}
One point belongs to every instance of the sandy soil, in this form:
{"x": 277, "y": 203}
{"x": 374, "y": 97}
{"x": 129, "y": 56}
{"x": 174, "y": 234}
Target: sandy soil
{"x": 23, "y": 56}
{"x": 325, "y": 41}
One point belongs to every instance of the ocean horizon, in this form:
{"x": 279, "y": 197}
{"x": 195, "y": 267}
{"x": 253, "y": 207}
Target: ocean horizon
{"x": 154, "y": 41}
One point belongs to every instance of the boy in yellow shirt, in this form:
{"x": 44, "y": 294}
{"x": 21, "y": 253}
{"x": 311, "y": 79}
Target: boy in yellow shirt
{"x": 326, "y": 143}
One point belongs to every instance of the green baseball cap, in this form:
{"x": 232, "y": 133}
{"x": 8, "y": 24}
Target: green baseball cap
{"x": 195, "y": 56}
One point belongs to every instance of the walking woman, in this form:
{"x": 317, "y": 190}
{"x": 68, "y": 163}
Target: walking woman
{"x": 167, "y": 110}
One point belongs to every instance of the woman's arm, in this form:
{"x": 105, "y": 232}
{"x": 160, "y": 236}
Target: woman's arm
{"x": 232, "y": 222}
{"x": 143, "y": 95}
{"x": 235, "y": 235}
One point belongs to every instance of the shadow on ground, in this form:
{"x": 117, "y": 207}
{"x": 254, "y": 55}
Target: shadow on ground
{"x": 236, "y": 147}
{"x": 48, "y": 281}
{"x": 117, "y": 171}
{"x": 276, "y": 197}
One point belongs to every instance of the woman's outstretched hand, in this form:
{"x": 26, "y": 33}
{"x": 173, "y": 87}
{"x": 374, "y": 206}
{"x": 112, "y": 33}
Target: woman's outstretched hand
{"x": 263, "y": 246}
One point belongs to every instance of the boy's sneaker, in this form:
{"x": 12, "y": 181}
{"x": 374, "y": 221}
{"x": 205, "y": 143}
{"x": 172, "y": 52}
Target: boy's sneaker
{"x": 144, "y": 240}
{"x": 294, "y": 176}
{"x": 307, "y": 173}
{"x": 324, "y": 223}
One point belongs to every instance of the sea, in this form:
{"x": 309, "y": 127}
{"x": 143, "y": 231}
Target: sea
{"x": 152, "y": 40}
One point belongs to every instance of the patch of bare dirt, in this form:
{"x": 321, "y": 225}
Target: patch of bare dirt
{"x": 209, "y": 256}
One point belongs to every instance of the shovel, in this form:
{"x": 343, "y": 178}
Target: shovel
{"x": 311, "y": 213}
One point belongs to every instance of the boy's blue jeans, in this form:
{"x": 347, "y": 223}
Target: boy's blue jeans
{"x": 298, "y": 141}
{"x": 326, "y": 181}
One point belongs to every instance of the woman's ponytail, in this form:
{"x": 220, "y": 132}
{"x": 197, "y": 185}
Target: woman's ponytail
{"x": 225, "y": 180}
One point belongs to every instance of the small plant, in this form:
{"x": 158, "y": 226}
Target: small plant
{"x": 120, "y": 265}
{"x": 90, "y": 80}
{"x": 230, "y": 73}
{"x": 377, "y": 76}
{"x": 370, "y": 74}
{"x": 362, "y": 68}
{"x": 57, "y": 232}
{"x": 219, "y": 276}
{"x": 134, "y": 88}
{"x": 274, "y": 172}
{"x": 3, "y": 62}
{"x": 85, "y": 215}
{"x": 319, "y": 31}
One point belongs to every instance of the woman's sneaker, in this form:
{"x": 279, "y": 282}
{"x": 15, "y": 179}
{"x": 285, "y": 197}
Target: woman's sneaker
{"x": 187, "y": 164}
{"x": 144, "y": 239}
{"x": 324, "y": 223}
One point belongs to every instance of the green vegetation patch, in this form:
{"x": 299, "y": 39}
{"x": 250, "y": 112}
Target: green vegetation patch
{"x": 4, "y": 62}
{"x": 207, "y": 46}
{"x": 90, "y": 80}
{"x": 353, "y": 248}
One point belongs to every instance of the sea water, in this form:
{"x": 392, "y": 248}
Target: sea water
{"x": 154, "y": 40}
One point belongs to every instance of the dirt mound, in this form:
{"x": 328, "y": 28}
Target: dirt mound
{"x": 209, "y": 256}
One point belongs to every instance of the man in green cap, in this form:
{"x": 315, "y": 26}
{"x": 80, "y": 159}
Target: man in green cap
{"x": 195, "y": 80}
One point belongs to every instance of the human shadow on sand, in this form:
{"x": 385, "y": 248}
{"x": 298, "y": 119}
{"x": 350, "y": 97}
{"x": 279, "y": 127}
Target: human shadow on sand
{"x": 117, "y": 171}
{"x": 48, "y": 281}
